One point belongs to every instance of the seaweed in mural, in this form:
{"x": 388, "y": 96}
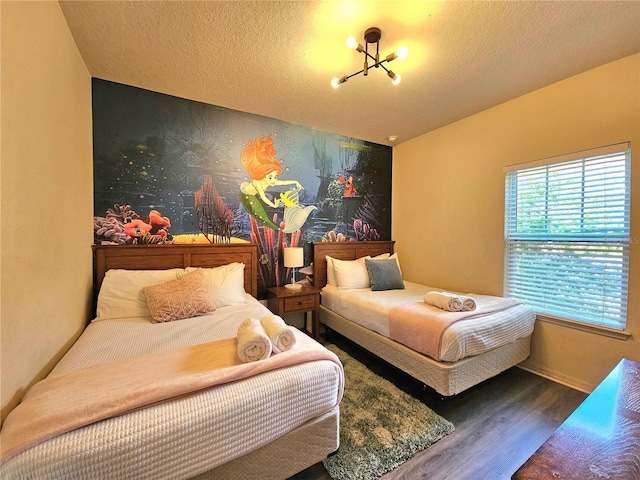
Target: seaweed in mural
{"x": 123, "y": 225}
{"x": 213, "y": 217}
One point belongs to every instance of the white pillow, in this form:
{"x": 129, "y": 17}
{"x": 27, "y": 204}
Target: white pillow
{"x": 351, "y": 273}
{"x": 121, "y": 294}
{"x": 225, "y": 283}
{"x": 395, "y": 255}
{"x": 331, "y": 272}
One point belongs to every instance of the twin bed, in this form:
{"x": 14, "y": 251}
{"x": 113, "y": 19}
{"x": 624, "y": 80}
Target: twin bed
{"x": 266, "y": 419}
{"x": 268, "y": 423}
{"x": 469, "y": 352}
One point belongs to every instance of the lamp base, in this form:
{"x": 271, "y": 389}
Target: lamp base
{"x": 293, "y": 286}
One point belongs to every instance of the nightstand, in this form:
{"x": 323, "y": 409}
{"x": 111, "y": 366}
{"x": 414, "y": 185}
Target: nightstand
{"x": 284, "y": 302}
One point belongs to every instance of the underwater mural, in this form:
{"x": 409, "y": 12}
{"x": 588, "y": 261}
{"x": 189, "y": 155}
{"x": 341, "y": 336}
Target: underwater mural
{"x": 172, "y": 170}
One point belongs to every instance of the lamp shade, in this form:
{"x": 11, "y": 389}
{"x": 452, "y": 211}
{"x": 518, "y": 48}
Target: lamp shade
{"x": 293, "y": 257}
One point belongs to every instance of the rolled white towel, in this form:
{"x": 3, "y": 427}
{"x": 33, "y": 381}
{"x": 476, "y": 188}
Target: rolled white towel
{"x": 444, "y": 300}
{"x": 468, "y": 304}
{"x": 253, "y": 341}
{"x": 281, "y": 335}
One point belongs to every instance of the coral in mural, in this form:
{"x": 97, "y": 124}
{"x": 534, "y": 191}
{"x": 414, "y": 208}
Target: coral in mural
{"x": 375, "y": 215}
{"x": 258, "y": 159}
{"x": 159, "y": 224}
{"x": 336, "y": 235}
{"x": 122, "y": 213}
{"x": 136, "y": 228}
{"x": 108, "y": 230}
{"x": 213, "y": 217}
{"x": 364, "y": 232}
{"x": 123, "y": 225}
{"x": 271, "y": 245}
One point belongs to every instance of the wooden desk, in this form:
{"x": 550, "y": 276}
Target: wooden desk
{"x": 601, "y": 439}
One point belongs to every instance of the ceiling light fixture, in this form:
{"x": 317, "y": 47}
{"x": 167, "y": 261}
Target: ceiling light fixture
{"x": 372, "y": 35}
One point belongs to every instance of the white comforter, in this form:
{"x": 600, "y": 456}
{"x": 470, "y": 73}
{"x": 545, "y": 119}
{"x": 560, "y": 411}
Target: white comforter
{"x": 186, "y": 436}
{"x": 370, "y": 309}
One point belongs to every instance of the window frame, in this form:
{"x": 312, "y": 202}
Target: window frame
{"x": 536, "y": 235}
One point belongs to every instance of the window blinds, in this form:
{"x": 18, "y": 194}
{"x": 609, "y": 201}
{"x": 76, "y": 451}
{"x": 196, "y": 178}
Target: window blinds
{"x": 567, "y": 235}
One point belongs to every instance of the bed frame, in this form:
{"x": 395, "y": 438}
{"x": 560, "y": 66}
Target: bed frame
{"x": 165, "y": 256}
{"x": 289, "y": 454}
{"x": 447, "y": 378}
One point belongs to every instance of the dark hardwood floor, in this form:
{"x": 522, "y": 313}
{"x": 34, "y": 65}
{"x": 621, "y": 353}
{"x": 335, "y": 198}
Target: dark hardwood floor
{"x": 499, "y": 423}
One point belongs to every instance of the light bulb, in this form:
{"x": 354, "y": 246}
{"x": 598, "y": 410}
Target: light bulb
{"x": 395, "y": 79}
{"x": 335, "y": 82}
{"x": 403, "y": 51}
{"x": 352, "y": 42}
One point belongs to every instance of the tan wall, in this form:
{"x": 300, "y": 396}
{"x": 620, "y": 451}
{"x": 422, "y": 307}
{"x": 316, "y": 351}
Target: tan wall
{"x": 46, "y": 199}
{"x": 448, "y": 201}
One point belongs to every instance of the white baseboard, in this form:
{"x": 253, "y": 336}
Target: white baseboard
{"x": 560, "y": 378}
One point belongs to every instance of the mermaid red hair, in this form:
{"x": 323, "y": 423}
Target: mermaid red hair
{"x": 258, "y": 158}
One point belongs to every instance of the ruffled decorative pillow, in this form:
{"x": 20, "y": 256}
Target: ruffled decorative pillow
{"x": 184, "y": 297}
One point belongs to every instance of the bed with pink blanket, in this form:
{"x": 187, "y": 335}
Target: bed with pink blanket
{"x": 450, "y": 351}
{"x": 144, "y": 396}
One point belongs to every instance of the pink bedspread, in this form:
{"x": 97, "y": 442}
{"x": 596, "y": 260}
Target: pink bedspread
{"x": 62, "y": 403}
{"x": 420, "y": 326}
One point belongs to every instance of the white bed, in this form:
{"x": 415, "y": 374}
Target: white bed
{"x": 270, "y": 425}
{"x": 471, "y": 351}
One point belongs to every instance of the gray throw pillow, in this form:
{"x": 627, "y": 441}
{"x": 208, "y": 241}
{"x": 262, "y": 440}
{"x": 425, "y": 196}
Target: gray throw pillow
{"x": 384, "y": 274}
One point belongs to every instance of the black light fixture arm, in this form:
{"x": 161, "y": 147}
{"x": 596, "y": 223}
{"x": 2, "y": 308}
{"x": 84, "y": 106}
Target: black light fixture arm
{"x": 379, "y": 64}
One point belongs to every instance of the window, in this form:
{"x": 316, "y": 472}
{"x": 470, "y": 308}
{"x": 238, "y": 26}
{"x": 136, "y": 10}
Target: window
{"x": 567, "y": 235}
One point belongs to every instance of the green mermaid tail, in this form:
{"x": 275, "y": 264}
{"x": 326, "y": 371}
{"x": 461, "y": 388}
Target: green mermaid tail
{"x": 294, "y": 217}
{"x": 254, "y": 206}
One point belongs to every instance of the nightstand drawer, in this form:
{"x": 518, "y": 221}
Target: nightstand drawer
{"x": 282, "y": 301}
{"x": 301, "y": 303}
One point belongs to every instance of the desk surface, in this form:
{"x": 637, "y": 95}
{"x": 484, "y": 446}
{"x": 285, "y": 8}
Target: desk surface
{"x": 601, "y": 438}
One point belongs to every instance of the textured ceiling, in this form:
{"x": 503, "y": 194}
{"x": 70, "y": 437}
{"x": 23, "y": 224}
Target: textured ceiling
{"x": 277, "y": 58}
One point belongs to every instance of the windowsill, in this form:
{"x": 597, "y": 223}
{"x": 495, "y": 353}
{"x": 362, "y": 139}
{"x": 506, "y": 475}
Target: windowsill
{"x": 585, "y": 327}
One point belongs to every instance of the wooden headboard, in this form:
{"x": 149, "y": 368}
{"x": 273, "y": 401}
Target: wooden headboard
{"x": 343, "y": 251}
{"x": 161, "y": 257}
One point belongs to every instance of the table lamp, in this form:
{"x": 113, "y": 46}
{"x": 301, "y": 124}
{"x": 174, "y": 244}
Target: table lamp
{"x": 293, "y": 258}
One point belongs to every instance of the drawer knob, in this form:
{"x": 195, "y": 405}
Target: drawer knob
{"x": 299, "y": 302}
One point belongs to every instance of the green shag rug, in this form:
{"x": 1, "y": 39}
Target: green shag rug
{"x": 380, "y": 425}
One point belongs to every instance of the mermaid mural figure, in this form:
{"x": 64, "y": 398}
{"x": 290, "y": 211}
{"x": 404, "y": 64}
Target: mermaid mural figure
{"x": 258, "y": 159}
